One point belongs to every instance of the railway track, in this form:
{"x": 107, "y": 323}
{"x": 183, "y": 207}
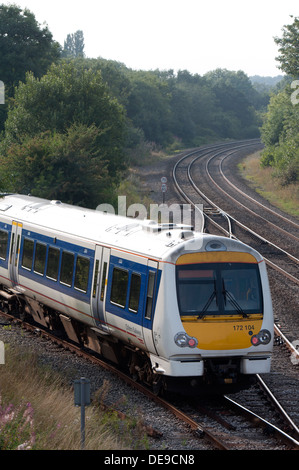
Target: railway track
{"x": 205, "y": 176}
{"x": 223, "y": 422}
{"x": 282, "y": 257}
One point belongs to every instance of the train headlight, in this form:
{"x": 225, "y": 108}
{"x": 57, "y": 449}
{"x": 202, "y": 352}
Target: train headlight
{"x": 263, "y": 337}
{"x": 185, "y": 341}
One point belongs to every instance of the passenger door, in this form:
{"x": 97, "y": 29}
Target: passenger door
{"x": 150, "y": 303}
{"x": 14, "y": 253}
{"x": 102, "y": 256}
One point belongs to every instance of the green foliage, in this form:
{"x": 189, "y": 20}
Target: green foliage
{"x": 236, "y": 99}
{"x": 25, "y": 46}
{"x": 280, "y": 131}
{"x": 279, "y": 109}
{"x": 74, "y": 45}
{"x": 289, "y": 48}
{"x": 66, "y": 166}
{"x": 68, "y": 94}
{"x": 122, "y": 114}
{"x": 149, "y": 106}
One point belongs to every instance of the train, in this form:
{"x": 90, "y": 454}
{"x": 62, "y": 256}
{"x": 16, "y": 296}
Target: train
{"x": 179, "y": 309}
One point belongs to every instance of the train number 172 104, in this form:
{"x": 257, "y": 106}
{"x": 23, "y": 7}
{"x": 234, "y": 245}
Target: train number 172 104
{"x": 243, "y": 327}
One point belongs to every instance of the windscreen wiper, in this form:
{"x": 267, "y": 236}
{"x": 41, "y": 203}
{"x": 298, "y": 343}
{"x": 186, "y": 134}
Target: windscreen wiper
{"x": 232, "y": 300}
{"x": 210, "y": 300}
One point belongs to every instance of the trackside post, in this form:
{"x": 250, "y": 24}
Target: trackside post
{"x": 82, "y": 398}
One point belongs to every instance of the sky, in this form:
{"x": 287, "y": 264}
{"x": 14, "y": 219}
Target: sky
{"x": 194, "y": 35}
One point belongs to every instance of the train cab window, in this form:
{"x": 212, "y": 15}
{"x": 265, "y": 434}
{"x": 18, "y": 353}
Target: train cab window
{"x": 3, "y": 244}
{"x": 40, "y": 258}
{"x": 81, "y": 274}
{"x": 27, "y": 254}
{"x": 119, "y": 287}
{"x": 67, "y": 268}
{"x": 150, "y": 295}
{"x": 219, "y": 289}
{"x": 134, "y": 292}
{"x": 53, "y": 263}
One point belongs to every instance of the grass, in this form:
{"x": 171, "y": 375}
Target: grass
{"x": 37, "y": 412}
{"x": 264, "y": 181}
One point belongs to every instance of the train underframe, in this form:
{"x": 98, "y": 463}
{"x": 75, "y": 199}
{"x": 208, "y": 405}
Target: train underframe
{"x": 221, "y": 375}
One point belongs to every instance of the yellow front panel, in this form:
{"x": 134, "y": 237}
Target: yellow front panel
{"x": 227, "y": 333}
{"x": 216, "y": 257}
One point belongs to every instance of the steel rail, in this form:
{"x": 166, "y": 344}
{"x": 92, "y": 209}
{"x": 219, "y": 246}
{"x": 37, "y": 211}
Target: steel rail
{"x": 286, "y": 219}
{"x": 288, "y": 344}
{"x": 246, "y": 208}
{"x": 228, "y": 216}
{"x": 289, "y": 440}
{"x": 278, "y": 406}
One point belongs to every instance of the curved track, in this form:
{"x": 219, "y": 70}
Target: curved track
{"x": 200, "y": 178}
{"x": 208, "y": 176}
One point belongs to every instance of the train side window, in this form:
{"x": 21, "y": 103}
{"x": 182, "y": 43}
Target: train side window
{"x": 27, "y": 259}
{"x": 3, "y": 244}
{"x": 81, "y": 274}
{"x": 134, "y": 292}
{"x": 67, "y": 268}
{"x": 40, "y": 258}
{"x": 119, "y": 287}
{"x": 150, "y": 295}
{"x": 53, "y": 263}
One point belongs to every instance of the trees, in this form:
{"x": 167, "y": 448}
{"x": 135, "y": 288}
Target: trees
{"x": 289, "y": 48}
{"x": 24, "y": 45}
{"x": 236, "y": 99}
{"x": 280, "y": 131}
{"x": 149, "y": 106}
{"x": 67, "y": 94}
{"x": 67, "y": 166}
{"x": 42, "y": 120}
{"x": 281, "y": 137}
{"x": 74, "y": 45}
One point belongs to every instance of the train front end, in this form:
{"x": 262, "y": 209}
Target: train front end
{"x": 226, "y": 318}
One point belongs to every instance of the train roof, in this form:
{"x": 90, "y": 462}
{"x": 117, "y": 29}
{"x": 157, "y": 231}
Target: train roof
{"x": 146, "y": 237}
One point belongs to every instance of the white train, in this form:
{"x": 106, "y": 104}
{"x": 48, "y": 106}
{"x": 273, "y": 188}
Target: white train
{"x": 176, "y": 307}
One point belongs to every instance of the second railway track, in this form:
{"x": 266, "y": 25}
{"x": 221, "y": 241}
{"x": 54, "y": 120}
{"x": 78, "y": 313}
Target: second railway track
{"x": 196, "y": 177}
